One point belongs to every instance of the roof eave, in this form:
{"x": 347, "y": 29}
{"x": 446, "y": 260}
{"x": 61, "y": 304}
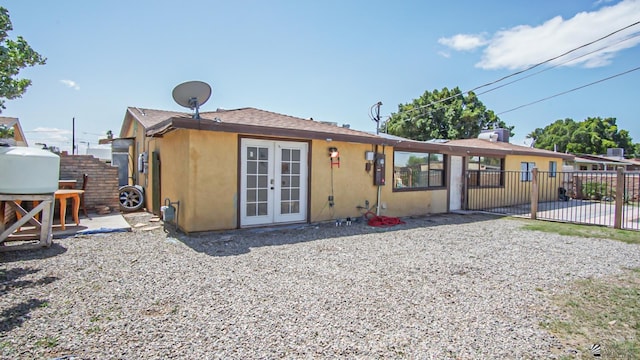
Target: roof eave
{"x": 175, "y": 123}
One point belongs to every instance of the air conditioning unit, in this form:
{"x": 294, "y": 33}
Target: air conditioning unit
{"x": 502, "y": 134}
{"x": 615, "y": 153}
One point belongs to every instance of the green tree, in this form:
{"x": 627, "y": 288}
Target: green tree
{"x": 14, "y": 56}
{"x": 554, "y": 136}
{"x": 593, "y": 135}
{"x": 6, "y": 132}
{"x": 444, "y": 114}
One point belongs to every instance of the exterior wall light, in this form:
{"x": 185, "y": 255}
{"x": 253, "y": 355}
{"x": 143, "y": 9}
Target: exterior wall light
{"x": 334, "y": 156}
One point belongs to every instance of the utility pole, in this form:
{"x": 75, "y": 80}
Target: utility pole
{"x": 376, "y": 117}
{"x": 73, "y": 136}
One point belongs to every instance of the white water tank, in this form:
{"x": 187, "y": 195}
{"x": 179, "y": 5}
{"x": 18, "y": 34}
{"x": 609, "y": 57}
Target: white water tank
{"x": 25, "y": 170}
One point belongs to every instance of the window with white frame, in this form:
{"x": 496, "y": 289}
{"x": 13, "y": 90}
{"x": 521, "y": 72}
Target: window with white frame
{"x": 553, "y": 168}
{"x": 526, "y": 169}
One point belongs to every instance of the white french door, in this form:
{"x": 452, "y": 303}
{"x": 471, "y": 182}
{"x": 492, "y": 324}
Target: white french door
{"x": 273, "y": 182}
{"x": 456, "y": 183}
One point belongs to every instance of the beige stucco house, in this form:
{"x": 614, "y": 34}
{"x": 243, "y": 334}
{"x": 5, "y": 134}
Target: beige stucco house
{"x": 250, "y": 167}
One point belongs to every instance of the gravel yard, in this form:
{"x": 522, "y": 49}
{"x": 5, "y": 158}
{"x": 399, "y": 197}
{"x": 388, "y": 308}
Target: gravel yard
{"x": 441, "y": 287}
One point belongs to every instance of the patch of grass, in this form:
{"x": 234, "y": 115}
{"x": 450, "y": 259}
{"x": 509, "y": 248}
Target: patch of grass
{"x": 587, "y": 231}
{"x": 48, "y": 341}
{"x": 600, "y": 311}
{"x": 7, "y": 350}
{"x": 93, "y": 329}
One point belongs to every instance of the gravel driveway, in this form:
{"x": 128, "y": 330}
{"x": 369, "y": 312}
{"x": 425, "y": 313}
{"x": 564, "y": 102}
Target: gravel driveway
{"x": 446, "y": 286}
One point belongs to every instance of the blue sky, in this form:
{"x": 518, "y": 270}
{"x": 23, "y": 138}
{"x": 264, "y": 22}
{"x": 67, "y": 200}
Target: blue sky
{"x": 330, "y": 60}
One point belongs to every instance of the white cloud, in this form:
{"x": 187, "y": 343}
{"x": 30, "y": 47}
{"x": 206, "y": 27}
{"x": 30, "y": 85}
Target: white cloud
{"x": 49, "y": 136}
{"x": 444, "y": 54}
{"x": 70, "y": 83}
{"x": 525, "y": 45}
{"x": 464, "y": 42}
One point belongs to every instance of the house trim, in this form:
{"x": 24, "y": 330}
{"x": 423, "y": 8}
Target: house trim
{"x": 210, "y": 125}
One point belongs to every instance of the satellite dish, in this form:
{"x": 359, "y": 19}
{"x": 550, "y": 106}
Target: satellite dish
{"x": 192, "y": 94}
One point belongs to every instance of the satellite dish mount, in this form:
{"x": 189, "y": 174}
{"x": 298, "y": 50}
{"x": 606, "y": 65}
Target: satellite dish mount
{"x": 192, "y": 94}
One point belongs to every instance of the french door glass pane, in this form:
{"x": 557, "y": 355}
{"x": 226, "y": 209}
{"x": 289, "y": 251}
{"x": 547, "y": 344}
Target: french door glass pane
{"x": 251, "y": 195}
{"x": 263, "y": 167}
{"x": 251, "y": 181}
{"x": 262, "y": 195}
{"x": 252, "y": 167}
{"x": 284, "y": 207}
{"x": 252, "y": 153}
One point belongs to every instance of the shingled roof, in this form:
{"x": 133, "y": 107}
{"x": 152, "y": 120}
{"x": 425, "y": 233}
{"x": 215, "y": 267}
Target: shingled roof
{"x": 487, "y": 147}
{"x": 248, "y": 121}
{"x": 254, "y": 121}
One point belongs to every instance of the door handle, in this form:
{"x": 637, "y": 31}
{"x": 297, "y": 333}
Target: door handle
{"x": 272, "y": 188}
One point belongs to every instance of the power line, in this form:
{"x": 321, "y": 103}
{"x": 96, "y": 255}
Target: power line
{"x": 559, "y": 64}
{"x": 568, "y": 91}
{"x": 529, "y": 68}
{"x": 556, "y": 57}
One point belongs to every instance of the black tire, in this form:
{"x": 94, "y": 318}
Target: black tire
{"x": 131, "y": 198}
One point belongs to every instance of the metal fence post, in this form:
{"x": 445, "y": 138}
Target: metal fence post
{"x": 534, "y": 193}
{"x": 620, "y": 195}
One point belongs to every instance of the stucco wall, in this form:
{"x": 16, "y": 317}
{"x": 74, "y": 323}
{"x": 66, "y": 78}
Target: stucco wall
{"x": 141, "y": 144}
{"x": 213, "y": 180}
{"x": 199, "y": 169}
{"x": 352, "y": 184}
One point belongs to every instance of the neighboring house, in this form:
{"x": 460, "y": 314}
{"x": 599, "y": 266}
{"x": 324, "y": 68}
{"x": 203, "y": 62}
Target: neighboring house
{"x": 590, "y": 162}
{"x": 250, "y": 167}
{"x": 18, "y": 134}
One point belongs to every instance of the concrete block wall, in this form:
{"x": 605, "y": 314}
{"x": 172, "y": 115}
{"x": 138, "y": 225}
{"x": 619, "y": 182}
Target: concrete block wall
{"x": 102, "y": 186}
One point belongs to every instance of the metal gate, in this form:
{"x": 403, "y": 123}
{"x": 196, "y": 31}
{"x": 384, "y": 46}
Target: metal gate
{"x": 606, "y": 198}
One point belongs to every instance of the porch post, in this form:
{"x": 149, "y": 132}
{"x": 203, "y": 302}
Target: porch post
{"x": 534, "y": 193}
{"x": 617, "y": 222}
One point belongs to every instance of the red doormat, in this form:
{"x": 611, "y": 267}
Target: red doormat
{"x": 384, "y": 221}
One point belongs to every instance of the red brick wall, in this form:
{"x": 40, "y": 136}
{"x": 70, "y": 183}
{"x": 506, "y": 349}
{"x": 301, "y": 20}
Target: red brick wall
{"x": 102, "y": 185}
